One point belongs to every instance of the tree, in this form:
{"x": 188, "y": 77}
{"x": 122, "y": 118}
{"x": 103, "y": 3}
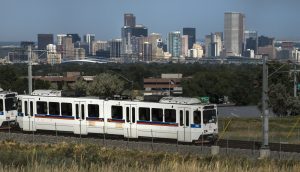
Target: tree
{"x": 41, "y": 84}
{"x": 7, "y": 77}
{"x": 293, "y": 104}
{"x": 106, "y": 85}
{"x": 278, "y": 98}
{"x": 81, "y": 86}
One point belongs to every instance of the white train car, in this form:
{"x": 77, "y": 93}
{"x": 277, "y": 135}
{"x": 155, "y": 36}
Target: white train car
{"x": 8, "y": 107}
{"x": 183, "y": 119}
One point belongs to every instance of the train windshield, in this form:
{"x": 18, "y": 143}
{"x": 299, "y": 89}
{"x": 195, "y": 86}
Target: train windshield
{"x": 209, "y": 116}
{"x": 1, "y": 105}
{"x": 11, "y": 103}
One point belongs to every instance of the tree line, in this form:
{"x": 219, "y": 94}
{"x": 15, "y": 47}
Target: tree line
{"x": 242, "y": 84}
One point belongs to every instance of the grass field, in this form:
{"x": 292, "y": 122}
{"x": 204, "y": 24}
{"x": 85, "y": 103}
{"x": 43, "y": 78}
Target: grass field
{"x": 284, "y": 129}
{"x": 75, "y": 157}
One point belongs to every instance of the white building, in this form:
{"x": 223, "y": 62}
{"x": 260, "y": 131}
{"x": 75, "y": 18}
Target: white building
{"x": 184, "y": 45}
{"x": 196, "y": 51}
{"x": 79, "y": 53}
{"x": 52, "y": 56}
{"x": 99, "y": 45}
{"x": 88, "y": 39}
{"x": 296, "y": 55}
{"x": 59, "y": 38}
{"x": 213, "y": 44}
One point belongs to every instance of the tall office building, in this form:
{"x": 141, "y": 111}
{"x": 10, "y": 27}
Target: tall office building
{"x": 157, "y": 46}
{"x": 79, "y": 53}
{"x": 233, "y": 33}
{"x": 67, "y": 47}
{"x": 25, "y": 44}
{"x": 52, "y": 56}
{"x": 266, "y": 45}
{"x": 184, "y": 45}
{"x": 115, "y": 48}
{"x": 129, "y": 20}
{"x": 196, "y": 51}
{"x": 147, "y": 51}
{"x": 129, "y": 36}
{"x": 88, "y": 39}
{"x": 213, "y": 44}
{"x": 75, "y": 37}
{"x": 59, "y": 38}
{"x": 174, "y": 44}
{"x": 251, "y": 40}
{"x": 191, "y": 32}
{"x": 100, "y": 46}
{"x": 44, "y": 40}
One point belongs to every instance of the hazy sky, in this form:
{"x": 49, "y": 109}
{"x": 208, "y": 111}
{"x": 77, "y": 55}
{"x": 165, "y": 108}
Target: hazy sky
{"x": 24, "y": 19}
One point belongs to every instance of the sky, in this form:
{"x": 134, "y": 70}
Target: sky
{"x": 22, "y": 20}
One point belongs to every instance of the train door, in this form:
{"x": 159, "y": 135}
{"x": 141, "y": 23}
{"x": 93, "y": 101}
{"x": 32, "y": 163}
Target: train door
{"x": 28, "y": 119}
{"x": 80, "y": 117}
{"x": 130, "y": 129}
{"x": 2, "y": 114}
{"x": 184, "y": 129}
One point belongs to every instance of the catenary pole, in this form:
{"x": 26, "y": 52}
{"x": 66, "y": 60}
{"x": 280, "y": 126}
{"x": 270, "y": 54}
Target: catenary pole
{"x": 29, "y": 70}
{"x": 265, "y": 151}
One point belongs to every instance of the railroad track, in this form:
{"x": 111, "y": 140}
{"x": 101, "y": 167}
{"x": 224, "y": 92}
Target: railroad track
{"x": 235, "y": 144}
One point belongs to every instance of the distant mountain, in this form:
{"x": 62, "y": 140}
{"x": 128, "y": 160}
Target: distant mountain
{"x": 9, "y": 44}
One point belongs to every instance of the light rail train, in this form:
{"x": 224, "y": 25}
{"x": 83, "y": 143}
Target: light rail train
{"x": 8, "y": 107}
{"x": 179, "y": 118}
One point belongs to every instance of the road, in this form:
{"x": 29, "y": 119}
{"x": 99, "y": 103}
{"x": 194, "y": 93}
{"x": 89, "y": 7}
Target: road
{"x": 240, "y": 111}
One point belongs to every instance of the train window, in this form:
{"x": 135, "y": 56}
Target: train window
{"x": 41, "y": 107}
{"x": 157, "y": 115}
{"x": 82, "y": 112}
{"x": 11, "y": 103}
{"x": 144, "y": 114}
{"x": 116, "y": 112}
{"x": 19, "y": 106}
{"x": 181, "y": 117}
{"x": 77, "y": 111}
{"x": 1, "y": 105}
{"x": 93, "y": 110}
{"x": 66, "y": 109}
{"x": 197, "y": 117}
{"x": 187, "y": 118}
{"x": 53, "y": 108}
{"x": 170, "y": 115}
{"x": 127, "y": 115}
{"x": 31, "y": 108}
{"x": 209, "y": 116}
{"x": 133, "y": 114}
{"x": 26, "y": 108}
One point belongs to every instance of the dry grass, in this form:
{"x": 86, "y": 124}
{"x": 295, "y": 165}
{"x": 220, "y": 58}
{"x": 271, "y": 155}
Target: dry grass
{"x": 80, "y": 158}
{"x": 251, "y": 129}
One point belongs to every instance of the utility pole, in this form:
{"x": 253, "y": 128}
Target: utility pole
{"x": 265, "y": 150}
{"x": 295, "y": 80}
{"x": 29, "y": 70}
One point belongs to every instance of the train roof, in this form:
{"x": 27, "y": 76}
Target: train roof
{"x": 7, "y": 93}
{"x": 52, "y": 93}
{"x": 165, "y": 100}
{"x": 180, "y": 100}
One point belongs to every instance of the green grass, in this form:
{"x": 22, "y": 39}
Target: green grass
{"x": 76, "y": 157}
{"x": 251, "y": 129}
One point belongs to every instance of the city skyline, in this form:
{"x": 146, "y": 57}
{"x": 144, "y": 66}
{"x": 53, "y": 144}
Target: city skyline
{"x": 22, "y": 20}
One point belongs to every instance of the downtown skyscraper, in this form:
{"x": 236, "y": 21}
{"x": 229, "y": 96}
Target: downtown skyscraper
{"x": 233, "y": 33}
{"x": 174, "y": 44}
{"x": 191, "y": 33}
